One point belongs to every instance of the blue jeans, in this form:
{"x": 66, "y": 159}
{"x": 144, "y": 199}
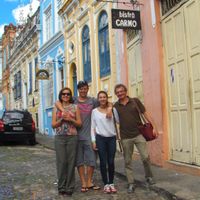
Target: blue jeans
{"x": 106, "y": 150}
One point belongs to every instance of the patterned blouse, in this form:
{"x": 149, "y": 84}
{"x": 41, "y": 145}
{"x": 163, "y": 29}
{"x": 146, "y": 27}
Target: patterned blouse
{"x": 67, "y": 128}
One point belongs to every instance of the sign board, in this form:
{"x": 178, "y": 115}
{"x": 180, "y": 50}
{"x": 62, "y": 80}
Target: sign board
{"x": 42, "y": 74}
{"x": 126, "y": 19}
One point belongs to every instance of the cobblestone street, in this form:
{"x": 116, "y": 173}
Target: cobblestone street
{"x": 29, "y": 173}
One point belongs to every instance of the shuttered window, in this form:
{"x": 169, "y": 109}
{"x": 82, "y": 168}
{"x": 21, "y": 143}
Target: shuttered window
{"x": 17, "y": 85}
{"x": 104, "y": 49}
{"x": 30, "y": 78}
{"x": 86, "y": 54}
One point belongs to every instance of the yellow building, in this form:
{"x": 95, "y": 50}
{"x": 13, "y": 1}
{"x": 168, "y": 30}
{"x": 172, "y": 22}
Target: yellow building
{"x": 90, "y": 45}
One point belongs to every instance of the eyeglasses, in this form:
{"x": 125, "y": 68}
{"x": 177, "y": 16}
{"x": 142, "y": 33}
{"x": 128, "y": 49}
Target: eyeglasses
{"x": 66, "y": 94}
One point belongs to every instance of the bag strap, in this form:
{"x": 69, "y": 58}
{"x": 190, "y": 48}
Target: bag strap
{"x": 143, "y": 119}
{"x": 117, "y": 132}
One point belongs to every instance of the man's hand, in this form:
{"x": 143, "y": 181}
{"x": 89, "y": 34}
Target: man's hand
{"x": 155, "y": 132}
{"x": 109, "y": 113}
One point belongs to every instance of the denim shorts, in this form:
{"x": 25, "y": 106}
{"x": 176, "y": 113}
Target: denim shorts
{"x": 85, "y": 154}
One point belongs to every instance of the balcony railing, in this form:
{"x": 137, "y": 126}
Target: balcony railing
{"x": 167, "y": 5}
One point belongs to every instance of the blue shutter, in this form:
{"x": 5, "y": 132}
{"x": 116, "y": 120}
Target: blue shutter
{"x": 36, "y": 81}
{"x": 104, "y": 49}
{"x": 86, "y": 54}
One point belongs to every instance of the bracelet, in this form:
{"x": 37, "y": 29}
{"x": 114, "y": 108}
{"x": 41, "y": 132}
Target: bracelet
{"x": 60, "y": 121}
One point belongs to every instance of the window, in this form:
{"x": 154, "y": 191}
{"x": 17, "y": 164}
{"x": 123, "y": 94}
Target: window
{"x": 60, "y": 72}
{"x": 4, "y": 58}
{"x": 59, "y": 3}
{"x": 48, "y": 88}
{"x": 30, "y": 78}
{"x": 17, "y": 85}
{"x": 104, "y": 50}
{"x": 61, "y": 78}
{"x": 19, "y": 88}
{"x": 48, "y": 23}
{"x": 131, "y": 34}
{"x": 86, "y": 54}
{"x": 36, "y": 67}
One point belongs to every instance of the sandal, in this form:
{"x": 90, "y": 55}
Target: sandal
{"x": 94, "y": 187}
{"x": 84, "y": 189}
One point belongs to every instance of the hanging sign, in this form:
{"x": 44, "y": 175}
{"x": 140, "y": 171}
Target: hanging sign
{"x": 123, "y": 19}
{"x": 42, "y": 74}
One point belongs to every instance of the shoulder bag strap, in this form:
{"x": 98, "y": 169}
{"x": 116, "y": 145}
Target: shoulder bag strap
{"x": 140, "y": 113}
{"x": 117, "y": 132}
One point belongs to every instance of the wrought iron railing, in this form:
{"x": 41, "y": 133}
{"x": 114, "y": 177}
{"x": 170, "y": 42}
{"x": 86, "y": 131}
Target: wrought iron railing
{"x": 167, "y": 5}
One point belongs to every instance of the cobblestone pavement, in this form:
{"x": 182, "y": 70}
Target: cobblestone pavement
{"x": 29, "y": 173}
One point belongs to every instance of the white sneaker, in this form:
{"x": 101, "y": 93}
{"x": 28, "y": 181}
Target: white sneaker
{"x": 112, "y": 188}
{"x": 106, "y": 189}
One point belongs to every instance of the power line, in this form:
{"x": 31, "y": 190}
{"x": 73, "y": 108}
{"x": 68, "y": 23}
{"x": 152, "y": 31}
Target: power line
{"x": 132, "y": 2}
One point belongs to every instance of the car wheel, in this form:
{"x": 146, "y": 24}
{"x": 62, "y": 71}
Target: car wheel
{"x": 32, "y": 141}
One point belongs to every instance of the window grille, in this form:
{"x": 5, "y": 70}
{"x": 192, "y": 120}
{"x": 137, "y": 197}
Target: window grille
{"x": 131, "y": 34}
{"x": 167, "y": 5}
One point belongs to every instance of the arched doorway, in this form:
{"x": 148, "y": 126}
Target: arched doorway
{"x": 73, "y": 79}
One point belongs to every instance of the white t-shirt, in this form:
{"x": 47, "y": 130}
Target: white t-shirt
{"x": 101, "y": 125}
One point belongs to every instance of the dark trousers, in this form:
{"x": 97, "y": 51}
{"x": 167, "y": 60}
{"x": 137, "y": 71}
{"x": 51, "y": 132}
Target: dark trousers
{"x": 66, "y": 149}
{"x": 106, "y": 150}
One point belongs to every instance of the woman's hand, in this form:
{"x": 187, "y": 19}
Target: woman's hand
{"x": 67, "y": 117}
{"x": 94, "y": 146}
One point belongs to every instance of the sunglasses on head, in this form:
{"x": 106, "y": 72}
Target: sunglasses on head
{"x": 66, "y": 94}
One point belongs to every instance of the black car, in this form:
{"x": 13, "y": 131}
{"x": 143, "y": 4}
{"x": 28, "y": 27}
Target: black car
{"x": 17, "y": 125}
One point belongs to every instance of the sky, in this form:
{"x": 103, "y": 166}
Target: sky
{"x": 11, "y": 11}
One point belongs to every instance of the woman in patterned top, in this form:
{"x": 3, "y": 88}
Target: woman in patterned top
{"x": 66, "y": 141}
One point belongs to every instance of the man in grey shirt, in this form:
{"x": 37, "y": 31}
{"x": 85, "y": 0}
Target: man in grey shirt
{"x": 85, "y": 153}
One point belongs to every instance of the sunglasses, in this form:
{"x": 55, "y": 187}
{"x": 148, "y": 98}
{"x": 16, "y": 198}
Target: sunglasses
{"x": 66, "y": 94}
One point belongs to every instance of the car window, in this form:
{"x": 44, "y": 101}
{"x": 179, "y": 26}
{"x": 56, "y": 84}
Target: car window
{"x": 10, "y": 116}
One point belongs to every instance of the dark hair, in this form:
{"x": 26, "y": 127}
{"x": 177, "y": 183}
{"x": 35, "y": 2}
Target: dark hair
{"x": 102, "y": 92}
{"x": 82, "y": 84}
{"x": 60, "y": 95}
{"x": 120, "y": 85}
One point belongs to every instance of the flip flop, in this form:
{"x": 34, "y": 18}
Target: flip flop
{"x": 84, "y": 189}
{"x": 94, "y": 187}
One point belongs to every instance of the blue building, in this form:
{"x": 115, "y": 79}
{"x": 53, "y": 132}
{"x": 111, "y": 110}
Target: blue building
{"x": 51, "y": 53}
